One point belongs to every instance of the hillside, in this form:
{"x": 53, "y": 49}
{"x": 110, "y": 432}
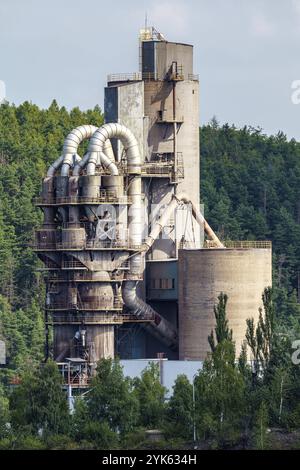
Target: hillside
{"x": 30, "y": 139}
{"x": 250, "y": 185}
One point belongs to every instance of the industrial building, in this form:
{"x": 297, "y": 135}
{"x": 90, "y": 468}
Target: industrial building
{"x": 133, "y": 268}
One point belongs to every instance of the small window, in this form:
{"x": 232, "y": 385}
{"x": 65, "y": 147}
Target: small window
{"x": 162, "y": 284}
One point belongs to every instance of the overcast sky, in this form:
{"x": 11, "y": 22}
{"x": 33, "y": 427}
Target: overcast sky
{"x": 247, "y": 52}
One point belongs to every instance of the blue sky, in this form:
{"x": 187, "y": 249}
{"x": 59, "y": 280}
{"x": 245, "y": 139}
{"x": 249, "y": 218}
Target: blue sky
{"x": 247, "y": 53}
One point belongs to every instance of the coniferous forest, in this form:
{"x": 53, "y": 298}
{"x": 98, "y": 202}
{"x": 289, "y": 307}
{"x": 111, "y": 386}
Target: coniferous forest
{"x": 250, "y": 185}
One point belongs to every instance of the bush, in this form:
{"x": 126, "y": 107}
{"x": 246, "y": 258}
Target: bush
{"x": 100, "y": 435}
{"x": 60, "y": 442}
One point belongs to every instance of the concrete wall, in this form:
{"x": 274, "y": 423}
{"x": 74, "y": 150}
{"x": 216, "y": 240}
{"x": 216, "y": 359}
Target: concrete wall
{"x": 202, "y": 274}
{"x": 125, "y": 104}
{"x": 160, "y": 139}
{"x": 158, "y": 56}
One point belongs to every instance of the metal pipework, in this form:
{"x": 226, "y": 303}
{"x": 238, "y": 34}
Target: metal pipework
{"x": 55, "y": 166}
{"x": 119, "y": 131}
{"x": 69, "y": 157}
{"x": 160, "y": 327}
{"x": 71, "y": 144}
{"x": 163, "y": 220}
{"x": 70, "y": 147}
{"x": 93, "y": 158}
{"x": 134, "y": 162}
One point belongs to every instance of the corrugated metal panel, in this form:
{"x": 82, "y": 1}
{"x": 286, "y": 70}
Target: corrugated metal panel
{"x": 148, "y": 57}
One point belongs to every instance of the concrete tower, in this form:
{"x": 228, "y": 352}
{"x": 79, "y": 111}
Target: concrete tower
{"x": 160, "y": 104}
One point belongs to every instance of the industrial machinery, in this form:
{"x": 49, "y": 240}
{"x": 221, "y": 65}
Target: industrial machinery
{"x": 120, "y": 222}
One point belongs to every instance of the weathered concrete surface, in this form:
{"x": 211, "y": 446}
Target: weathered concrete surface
{"x": 240, "y": 273}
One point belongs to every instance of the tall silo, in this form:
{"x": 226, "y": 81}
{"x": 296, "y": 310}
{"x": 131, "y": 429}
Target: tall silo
{"x": 241, "y": 273}
{"x": 161, "y": 106}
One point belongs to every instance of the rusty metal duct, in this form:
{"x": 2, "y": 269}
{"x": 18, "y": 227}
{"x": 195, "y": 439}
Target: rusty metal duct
{"x": 100, "y": 153}
{"x": 96, "y": 146}
{"x": 178, "y": 199}
{"x": 161, "y": 328}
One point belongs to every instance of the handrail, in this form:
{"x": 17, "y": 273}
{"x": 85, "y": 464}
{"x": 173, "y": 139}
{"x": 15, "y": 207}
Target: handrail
{"x": 105, "y": 318}
{"x": 248, "y": 243}
{"x": 117, "y": 304}
{"x": 87, "y": 276}
{"x": 108, "y": 197}
{"x": 89, "y": 245}
{"x": 138, "y": 76}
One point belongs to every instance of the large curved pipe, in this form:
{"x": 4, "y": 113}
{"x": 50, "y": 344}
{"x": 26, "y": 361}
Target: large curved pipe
{"x": 70, "y": 147}
{"x": 71, "y": 144}
{"x": 105, "y": 157}
{"x": 119, "y": 131}
{"x": 54, "y": 166}
{"x": 163, "y": 220}
{"x": 159, "y": 327}
{"x": 134, "y": 163}
{"x": 57, "y": 164}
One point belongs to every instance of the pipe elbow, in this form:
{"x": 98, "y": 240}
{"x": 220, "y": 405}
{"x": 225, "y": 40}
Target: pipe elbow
{"x": 129, "y": 294}
{"x": 71, "y": 144}
{"x": 55, "y": 165}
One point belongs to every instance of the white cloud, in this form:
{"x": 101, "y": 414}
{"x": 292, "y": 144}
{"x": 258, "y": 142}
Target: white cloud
{"x": 262, "y": 27}
{"x": 296, "y": 5}
{"x": 169, "y": 16}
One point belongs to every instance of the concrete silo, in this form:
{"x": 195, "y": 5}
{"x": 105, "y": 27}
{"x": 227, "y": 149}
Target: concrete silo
{"x": 242, "y": 273}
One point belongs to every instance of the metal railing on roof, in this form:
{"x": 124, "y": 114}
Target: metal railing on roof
{"x": 124, "y": 77}
{"x": 88, "y": 276}
{"x": 77, "y": 265}
{"x": 104, "y": 305}
{"x": 73, "y": 264}
{"x": 120, "y": 318}
{"x": 103, "y": 198}
{"x": 248, "y": 244}
{"x": 81, "y": 245}
{"x": 138, "y": 76}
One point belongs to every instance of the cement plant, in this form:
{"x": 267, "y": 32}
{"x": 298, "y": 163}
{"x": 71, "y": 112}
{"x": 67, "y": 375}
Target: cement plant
{"x": 134, "y": 268}
{"x": 149, "y": 231}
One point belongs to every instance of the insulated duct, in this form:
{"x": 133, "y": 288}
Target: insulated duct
{"x": 96, "y": 147}
{"x": 163, "y": 220}
{"x": 160, "y": 327}
{"x": 71, "y": 144}
{"x": 70, "y": 147}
